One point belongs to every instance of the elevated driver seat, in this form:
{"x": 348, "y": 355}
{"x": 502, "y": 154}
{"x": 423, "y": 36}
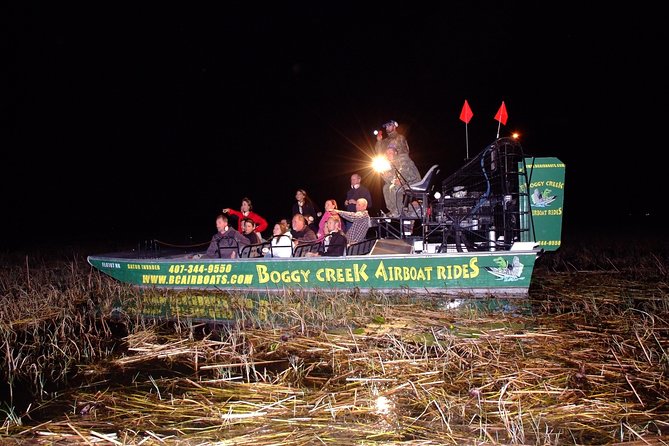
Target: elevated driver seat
{"x": 420, "y": 191}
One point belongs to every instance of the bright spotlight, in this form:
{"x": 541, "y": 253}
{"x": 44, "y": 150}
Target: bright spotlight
{"x": 381, "y": 164}
{"x": 437, "y": 195}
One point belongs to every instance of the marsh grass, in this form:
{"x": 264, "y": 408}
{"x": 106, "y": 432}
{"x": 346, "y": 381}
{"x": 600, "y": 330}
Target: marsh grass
{"x": 638, "y": 257}
{"x": 583, "y": 360}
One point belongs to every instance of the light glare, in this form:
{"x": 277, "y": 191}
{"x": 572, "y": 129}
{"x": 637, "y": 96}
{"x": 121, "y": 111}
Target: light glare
{"x": 383, "y": 405}
{"x": 381, "y": 164}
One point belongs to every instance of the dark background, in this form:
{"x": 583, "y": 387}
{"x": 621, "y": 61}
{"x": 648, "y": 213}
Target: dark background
{"x": 131, "y": 122}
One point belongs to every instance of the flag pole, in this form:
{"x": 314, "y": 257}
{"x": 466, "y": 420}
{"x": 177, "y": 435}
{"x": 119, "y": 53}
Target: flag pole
{"x": 501, "y": 117}
{"x": 466, "y": 116}
{"x": 467, "y": 140}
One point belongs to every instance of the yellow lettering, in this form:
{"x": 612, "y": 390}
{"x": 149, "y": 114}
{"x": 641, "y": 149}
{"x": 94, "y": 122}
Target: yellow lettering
{"x": 396, "y": 273}
{"x": 473, "y": 264}
{"x": 420, "y": 274}
{"x": 381, "y": 272}
{"x": 360, "y": 273}
{"x": 263, "y": 277}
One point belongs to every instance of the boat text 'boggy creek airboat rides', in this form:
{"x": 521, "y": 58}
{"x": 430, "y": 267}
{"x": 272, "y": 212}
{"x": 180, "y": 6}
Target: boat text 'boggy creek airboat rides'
{"x": 478, "y": 233}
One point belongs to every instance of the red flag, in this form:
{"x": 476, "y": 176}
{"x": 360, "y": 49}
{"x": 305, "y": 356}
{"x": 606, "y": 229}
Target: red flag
{"x": 501, "y": 115}
{"x": 466, "y": 113}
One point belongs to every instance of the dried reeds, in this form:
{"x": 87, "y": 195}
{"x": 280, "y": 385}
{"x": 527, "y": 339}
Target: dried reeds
{"x": 583, "y": 361}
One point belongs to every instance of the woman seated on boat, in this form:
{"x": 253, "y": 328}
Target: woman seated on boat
{"x": 334, "y": 243}
{"x": 282, "y": 241}
{"x": 329, "y": 205}
{"x": 226, "y": 242}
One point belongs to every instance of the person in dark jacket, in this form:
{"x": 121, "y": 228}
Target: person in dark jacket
{"x": 226, "y": 242}
{"x": 304, "y": 205}
{"x": 334, "y": 244}
{"x": 301, "y": 231}
{"x": 357, "y": 190}
{"x": 249, "y": 231}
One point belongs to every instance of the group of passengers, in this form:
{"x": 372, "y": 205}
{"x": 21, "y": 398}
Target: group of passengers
{"x": 328, "y": 231}
{"x": 286, "y": 237}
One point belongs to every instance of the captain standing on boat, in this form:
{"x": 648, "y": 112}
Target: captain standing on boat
{"x": 403, "y": 172}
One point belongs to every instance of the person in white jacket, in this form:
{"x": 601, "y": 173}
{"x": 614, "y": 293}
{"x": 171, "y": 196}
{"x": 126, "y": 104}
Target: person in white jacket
{"x": 282, "y": 241}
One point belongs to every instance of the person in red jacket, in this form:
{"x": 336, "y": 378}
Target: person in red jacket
{"x": 246, "y": 212}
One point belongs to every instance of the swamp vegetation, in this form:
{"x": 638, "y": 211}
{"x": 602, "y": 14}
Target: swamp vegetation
{"x": 583, "y": 360}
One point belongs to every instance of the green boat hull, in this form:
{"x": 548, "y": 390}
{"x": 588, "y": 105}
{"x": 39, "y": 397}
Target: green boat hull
{"x": 481, "y": 273}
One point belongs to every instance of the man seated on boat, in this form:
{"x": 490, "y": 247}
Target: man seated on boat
{"x": 301, "y": 231}
{"x": 334, "y": 242}
{"x": 226, "y": 242}
{"x": 360, "y": 221}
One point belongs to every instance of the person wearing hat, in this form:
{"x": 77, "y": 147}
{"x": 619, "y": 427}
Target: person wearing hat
{"x": 396, "y": 149}
{"x": 393, "y": 140}
{"x": 397, "y": 180}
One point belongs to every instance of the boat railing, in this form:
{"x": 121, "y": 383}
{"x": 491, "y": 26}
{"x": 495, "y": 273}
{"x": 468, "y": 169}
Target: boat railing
{"x": 227, "y": 248}
{"x": 362, "y": 247}
{"x": 255, "y": 250}
{"x": 302, "y": 249}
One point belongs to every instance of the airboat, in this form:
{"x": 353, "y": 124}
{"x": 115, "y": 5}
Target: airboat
{"x": 477, "y": 232}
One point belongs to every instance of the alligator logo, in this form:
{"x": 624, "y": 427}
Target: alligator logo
{"x": 508, "y": 272}
{"x": 542, "y": 199}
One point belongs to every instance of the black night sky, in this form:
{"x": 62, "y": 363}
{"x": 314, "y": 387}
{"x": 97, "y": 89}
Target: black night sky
{"x": 140, "y": 121}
